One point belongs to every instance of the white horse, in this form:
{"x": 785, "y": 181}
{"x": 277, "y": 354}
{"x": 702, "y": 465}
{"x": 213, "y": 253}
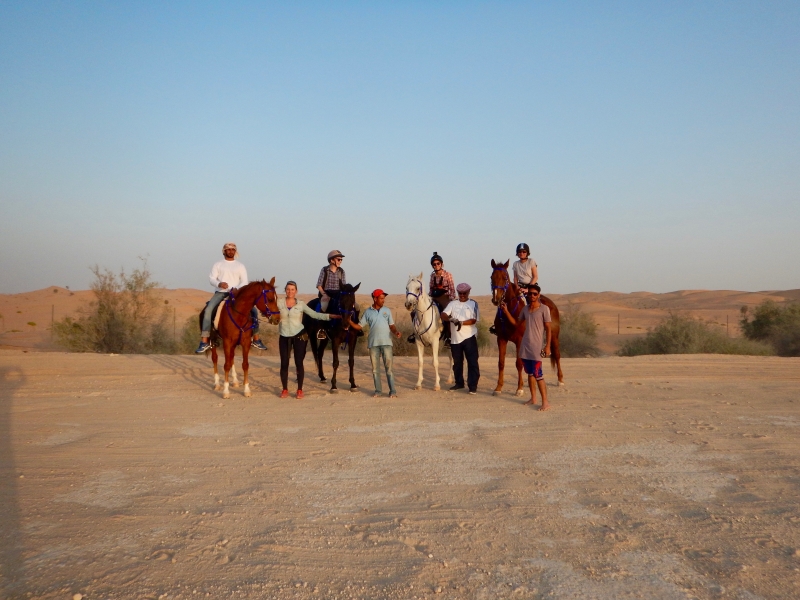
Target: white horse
{"x": 427, "y": 326}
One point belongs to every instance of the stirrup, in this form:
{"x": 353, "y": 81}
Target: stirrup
{"x": 321, "y": 334}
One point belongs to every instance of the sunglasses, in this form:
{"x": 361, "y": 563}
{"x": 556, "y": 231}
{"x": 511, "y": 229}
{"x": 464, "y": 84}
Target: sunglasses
{"x": 437, "y": 264}
{"x": 533, "y": 294}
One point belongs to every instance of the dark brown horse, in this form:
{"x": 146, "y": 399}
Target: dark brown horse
{"x": 339, "y": 332}
{"x": 506, "y": 290}
{"x": 236, "y": 327}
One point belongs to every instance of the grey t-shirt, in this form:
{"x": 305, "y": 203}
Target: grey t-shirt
{"x": 534, "y": 336}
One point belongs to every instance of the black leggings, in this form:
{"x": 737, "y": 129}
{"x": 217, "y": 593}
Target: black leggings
{"x": 299, "y": 347}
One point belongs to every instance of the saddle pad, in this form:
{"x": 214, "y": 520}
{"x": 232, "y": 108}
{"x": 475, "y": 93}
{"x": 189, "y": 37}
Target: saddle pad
{"x": 218, "y": 314}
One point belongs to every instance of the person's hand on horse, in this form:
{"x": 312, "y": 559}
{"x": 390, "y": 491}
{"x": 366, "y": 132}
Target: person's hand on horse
{"x": 335, "y": 316}
{"x": 223, "y": 285}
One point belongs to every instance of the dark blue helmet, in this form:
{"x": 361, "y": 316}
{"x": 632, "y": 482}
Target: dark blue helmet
{"x": 523, "y": 246}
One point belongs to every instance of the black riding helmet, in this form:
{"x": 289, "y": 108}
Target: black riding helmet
{"x": 436, "y": 257}
{"x": 523, "y": 246}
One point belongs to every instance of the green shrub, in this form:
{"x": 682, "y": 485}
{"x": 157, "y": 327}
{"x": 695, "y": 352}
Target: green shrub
{"x": 680, "y": 334}
{"x": 777, "y": 325}
{"x": 578, "y": 333}
{"x": 126, "y": 316}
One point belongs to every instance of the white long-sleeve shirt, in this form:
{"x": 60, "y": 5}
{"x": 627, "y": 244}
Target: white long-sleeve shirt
{"x": 231, "y": 272}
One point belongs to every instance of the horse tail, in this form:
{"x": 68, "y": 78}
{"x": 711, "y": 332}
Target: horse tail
{"x": 555, "y": 328}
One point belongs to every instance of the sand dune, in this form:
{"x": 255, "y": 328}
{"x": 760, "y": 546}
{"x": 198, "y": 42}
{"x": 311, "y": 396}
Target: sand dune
{"x": 635, "y": 312}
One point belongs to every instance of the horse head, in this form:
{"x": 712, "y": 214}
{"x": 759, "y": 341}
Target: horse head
{"x": 347, "y": 303}
{"x": 414, "y": 291}
{"x": 500, "y": 280}
{"x": 267, "y": 301}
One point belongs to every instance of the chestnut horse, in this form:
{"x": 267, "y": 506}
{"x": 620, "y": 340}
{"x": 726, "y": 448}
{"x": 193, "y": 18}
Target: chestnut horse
{"x": 339, "y": 333}
{"x": 236, "y": 327}
{"x": 505, "y": 289}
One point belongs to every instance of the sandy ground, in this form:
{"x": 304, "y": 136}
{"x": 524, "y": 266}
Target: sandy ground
{"x": 25, "y": 318}
{"x": 651, "y": 477}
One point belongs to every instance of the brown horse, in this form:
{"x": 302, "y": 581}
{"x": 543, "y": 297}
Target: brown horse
{"x": 236, "y": 327}
{"x": 504, "y": 289}
{"x": 340, "y": 334}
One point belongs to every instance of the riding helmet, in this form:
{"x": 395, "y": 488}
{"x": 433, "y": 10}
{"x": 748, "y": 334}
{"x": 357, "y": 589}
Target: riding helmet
{"x": 436, "y": 257}
{"x": 523, "y": 246}
{"x": 334, "y": 254}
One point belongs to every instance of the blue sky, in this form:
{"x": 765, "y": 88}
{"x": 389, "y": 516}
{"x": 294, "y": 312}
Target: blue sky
{"x": 635, "y": 146}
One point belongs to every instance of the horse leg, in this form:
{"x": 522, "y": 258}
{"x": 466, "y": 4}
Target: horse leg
{"x": 435, "y": 350}
{"x": 322, "y": 345}
{"x": 351, "y": 361}
{"x": 214, "y": 359}
{"x": 501, "y": 364}
{"x": 246, "y": 367}
{"x": 421, "y": 355}
{"x": 234, "y": 377}
{"x": 229, "y": 353}
{"x": 335, "y": 351}
{"x": 555, "y": 357}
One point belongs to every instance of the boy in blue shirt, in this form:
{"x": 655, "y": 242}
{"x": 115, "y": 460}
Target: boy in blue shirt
{"x": 379, "y": 340}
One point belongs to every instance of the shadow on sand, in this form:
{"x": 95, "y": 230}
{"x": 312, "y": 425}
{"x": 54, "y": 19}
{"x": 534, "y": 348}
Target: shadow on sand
{"x": 11, "y": 574}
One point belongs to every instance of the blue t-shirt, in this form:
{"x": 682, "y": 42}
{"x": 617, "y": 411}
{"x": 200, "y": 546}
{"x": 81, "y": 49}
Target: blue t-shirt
{"x": 378, "y": 321}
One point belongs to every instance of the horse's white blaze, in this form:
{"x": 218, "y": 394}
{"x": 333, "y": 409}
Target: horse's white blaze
{"x": 427, "y": 328}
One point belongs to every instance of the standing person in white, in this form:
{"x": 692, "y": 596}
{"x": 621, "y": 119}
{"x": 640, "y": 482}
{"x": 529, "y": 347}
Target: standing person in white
{"x": 226, "y": 275}
{"x": 537, "y": 322}
{"x": 463, "y": 315}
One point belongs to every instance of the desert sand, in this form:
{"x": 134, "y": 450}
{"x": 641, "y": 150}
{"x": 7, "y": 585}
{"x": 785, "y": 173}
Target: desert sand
{"x": 651, "y": 477}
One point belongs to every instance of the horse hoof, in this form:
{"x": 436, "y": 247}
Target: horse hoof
{"x": 353, "y": 389}
{"x": 323, "y": 379}
{"x": 248, "y": 394}
{"x": 497, "y": 392}
{"x": 417, "y": 387}
{"x": 334, "y": 391}
{"x": 519, "y": 393}
{"x": 217, "y": 388}
{"x": 561, "y": 384}
{"x": 234, "y": 385}
{"x": 436, "y": 388}
{"x": 226, "y": 396}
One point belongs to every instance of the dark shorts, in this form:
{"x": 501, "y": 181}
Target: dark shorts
{"x": 533, "y": 367}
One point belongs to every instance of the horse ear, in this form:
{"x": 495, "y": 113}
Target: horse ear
{"x": 505, "y": 264}
{"x": 272, "y": 282}
{"x": 494, "y": 264}
{"x": 420, "y": 275}
{"x": 356, "y": 287}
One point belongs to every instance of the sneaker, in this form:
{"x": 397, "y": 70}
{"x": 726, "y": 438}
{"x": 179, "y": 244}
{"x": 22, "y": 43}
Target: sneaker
{"x": 203, "y": 347}
{"x": 473, "y": 392}
{"x": 492, "y": 330}
{"x": 258, "y": 345}
{"x": 285, "y": 394}
{"x": 299, "y": 395}
{"x": 456, "y": 387}
{"x": 322, "y": 335}
{"x": 411, "y": 339}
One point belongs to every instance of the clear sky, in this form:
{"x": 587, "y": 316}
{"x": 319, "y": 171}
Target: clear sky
{"x": 634, "y": 145}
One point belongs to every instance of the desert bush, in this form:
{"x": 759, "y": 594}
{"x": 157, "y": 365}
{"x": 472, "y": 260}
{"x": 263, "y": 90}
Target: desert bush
{"x": 578, "y": 333}
{"x": 681, "y": 334}
{"x": 126, "y": 316}
{"x": 774, "y": 324}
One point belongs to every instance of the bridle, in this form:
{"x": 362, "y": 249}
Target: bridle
{"x": 417, "y": 309}
{"x": 505, "y": 287}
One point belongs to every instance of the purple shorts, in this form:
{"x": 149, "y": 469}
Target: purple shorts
{"x": 533, "y": 367}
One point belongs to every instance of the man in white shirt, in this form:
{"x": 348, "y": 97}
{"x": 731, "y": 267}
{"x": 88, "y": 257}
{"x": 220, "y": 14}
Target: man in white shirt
{"x": 226, "y": 275}
{"x": 463, "y": 315}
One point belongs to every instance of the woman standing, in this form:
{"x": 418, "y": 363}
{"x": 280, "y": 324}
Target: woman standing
{"x": 292, "y": 335}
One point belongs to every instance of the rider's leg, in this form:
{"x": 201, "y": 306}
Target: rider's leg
{"x": 215, "y": 300}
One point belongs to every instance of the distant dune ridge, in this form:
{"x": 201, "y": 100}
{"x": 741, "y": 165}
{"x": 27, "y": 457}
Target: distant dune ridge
{"x": 633, "y": 312}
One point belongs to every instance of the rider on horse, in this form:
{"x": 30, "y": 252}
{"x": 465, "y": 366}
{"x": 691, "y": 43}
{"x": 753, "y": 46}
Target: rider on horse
{"x": 443, "y": 291}
{"x": 226, "y": 275}
{"x": 329, "y": 284}
{"x": 525, "y": 272}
